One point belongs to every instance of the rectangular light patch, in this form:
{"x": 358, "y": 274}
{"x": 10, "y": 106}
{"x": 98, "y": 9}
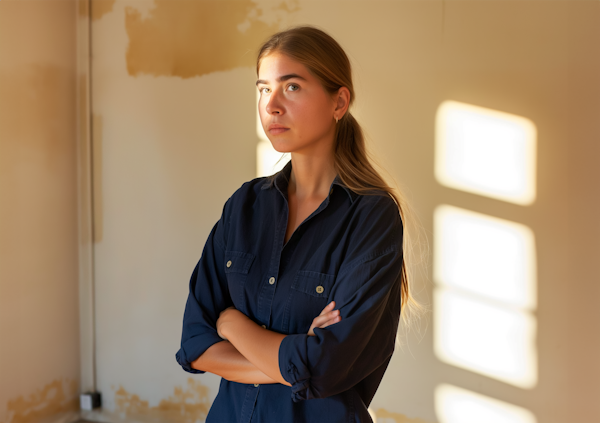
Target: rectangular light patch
{"x": 486, "y": 256}
{"x": 486, "y": 152}
{"x": 457, "y": 405}
{"x": 494, "y": 341}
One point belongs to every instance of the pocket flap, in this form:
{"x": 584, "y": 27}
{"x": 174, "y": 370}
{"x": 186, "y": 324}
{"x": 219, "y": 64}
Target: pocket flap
{"x": 314, "y": 283}
{"x": 237, "y": 261}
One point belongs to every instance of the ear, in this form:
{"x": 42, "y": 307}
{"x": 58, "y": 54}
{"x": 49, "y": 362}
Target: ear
{"x": 342, "y": 102}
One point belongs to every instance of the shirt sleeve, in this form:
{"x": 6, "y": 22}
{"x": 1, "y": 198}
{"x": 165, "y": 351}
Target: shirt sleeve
{"x": 208, "y": 296}
{"x": 368, "y": 296}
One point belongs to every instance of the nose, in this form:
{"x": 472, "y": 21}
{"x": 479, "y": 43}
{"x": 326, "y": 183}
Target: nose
{"x": 274, "y": 105}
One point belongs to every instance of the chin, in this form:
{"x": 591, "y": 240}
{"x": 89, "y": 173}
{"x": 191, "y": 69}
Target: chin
{"x": 280, "y": 147}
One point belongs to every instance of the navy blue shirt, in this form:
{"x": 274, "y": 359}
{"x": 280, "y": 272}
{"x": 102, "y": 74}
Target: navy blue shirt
{"x": 348, "y": 250}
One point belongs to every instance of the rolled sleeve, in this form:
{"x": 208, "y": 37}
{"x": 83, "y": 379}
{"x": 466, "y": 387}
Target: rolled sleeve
{"x": 341, "y": 355}
{"x": 208, "y": 296}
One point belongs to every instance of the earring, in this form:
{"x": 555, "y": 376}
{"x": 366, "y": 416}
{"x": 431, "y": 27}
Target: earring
{"x": 336, "y": 120}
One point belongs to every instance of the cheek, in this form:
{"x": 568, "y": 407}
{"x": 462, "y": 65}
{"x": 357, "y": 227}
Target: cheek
{"x": 317, "y": 117}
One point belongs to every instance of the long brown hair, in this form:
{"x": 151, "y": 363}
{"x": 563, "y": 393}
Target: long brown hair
{"x": 326, "y": 59}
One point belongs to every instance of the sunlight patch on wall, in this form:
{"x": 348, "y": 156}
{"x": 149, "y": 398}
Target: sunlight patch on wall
{"x": 486, "y": 152}
{"x": 484, "y": 338}
{"x": 486, "y": 256}
{"x": 457, "y": 405}
{"x": 484, "y": 268}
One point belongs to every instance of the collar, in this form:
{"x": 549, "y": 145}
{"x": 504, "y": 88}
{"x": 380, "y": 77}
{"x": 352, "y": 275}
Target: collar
{"x": 281, "y": 179}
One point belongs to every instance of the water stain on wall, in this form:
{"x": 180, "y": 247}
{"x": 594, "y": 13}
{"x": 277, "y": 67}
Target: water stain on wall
{"x": 101, "y": 8}
{"x": 58, "y": 397}
{"x": 389, "y": 416}
{"x": 187, "y": 405}
{"x": 188, "y": 38}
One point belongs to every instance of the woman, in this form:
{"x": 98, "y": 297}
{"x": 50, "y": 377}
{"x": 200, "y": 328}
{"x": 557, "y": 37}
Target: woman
{"x": 296, "y": 299}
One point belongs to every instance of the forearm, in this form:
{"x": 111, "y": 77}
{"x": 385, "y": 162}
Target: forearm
{"x": 260, "y": 346}
{"x": 225, "y": 360}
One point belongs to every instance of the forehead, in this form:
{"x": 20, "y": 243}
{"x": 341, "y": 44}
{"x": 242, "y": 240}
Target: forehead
{"x": 275, "y": 65}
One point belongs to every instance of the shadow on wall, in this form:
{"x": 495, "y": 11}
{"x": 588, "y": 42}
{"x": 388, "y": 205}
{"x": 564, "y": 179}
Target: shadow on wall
{"x": 211, "y": 36}
{"x": 56, "y": 398}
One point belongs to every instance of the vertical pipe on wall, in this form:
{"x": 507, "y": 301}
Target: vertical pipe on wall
{"x": 85, "y": 199}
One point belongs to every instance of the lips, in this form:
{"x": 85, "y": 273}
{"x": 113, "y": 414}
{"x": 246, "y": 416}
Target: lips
{"x": 275, "y": 128}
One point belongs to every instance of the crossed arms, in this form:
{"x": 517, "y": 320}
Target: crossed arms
{"x": 249, "y": 352}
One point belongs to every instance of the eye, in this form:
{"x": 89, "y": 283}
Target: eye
{"x": 264, "y": 90}
{"x": 293, "y": 87}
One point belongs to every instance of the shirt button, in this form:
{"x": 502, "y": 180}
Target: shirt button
{"x": 264, "y": 327}
{"x": 271, "y": 280}
{"x": 229, "y": 263}
{"x": 320, "y": 289}
{"x": 256, "y": 385}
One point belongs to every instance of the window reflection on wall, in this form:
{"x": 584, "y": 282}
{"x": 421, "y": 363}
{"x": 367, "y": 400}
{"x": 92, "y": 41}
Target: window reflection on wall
{"x": 485, "y": 272}
{"x": 484, "y": 267}
{"x": 268, "y": 160}
{"x": 485, "y": 152}
{"x": 454, "y": 404}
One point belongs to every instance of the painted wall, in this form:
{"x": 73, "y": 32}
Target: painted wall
{"x": 174, "y": 136}
{"x": 39, "y": 323}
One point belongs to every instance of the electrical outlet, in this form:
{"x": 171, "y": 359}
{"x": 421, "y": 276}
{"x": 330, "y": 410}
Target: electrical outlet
{"x": 90, "y": 400}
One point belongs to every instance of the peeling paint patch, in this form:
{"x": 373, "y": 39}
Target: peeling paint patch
{"x": 188, "y": 38}
{"x": 59, "y": 396}
{"x": 101, "y": 8}
{"x": 385, "y": 416}
{"x": 188, "y": 405}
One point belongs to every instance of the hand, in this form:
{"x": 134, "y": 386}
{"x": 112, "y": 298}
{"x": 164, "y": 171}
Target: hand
{"x": 222, "y": 319}
{"x": 328, "y": 316}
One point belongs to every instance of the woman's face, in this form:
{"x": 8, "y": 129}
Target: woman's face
{"x": 296, "y": 112}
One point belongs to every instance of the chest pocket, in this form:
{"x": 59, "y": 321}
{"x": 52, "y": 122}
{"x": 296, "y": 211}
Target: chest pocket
{"x": 308, "y": 297}
{"x": 237, "y": 266}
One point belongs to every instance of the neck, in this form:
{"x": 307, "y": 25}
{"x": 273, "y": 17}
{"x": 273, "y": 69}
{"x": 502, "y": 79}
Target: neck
{"x": 311, "y": 175}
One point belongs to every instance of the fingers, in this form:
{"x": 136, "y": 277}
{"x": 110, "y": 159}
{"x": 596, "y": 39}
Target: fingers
{"x": 330, "y": 322}
{"x": 328, "y": 308}
{"x": 327, "y": 319}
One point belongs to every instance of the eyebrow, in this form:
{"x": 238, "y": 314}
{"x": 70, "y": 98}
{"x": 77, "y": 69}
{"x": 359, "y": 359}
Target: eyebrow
{"x": 283, "y": 78}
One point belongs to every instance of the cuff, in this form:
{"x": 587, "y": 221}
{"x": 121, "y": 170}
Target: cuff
{"x": 294, "y": 367}
{"x": 194, "y": 348}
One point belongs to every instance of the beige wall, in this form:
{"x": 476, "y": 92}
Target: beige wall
{"x": 174, "y": 111}
{"x": 39, "y": 326}
{"x": 174, "y": 136}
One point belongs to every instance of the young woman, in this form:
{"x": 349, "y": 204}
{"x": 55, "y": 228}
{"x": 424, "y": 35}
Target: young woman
{"x": 296, "y": 299}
